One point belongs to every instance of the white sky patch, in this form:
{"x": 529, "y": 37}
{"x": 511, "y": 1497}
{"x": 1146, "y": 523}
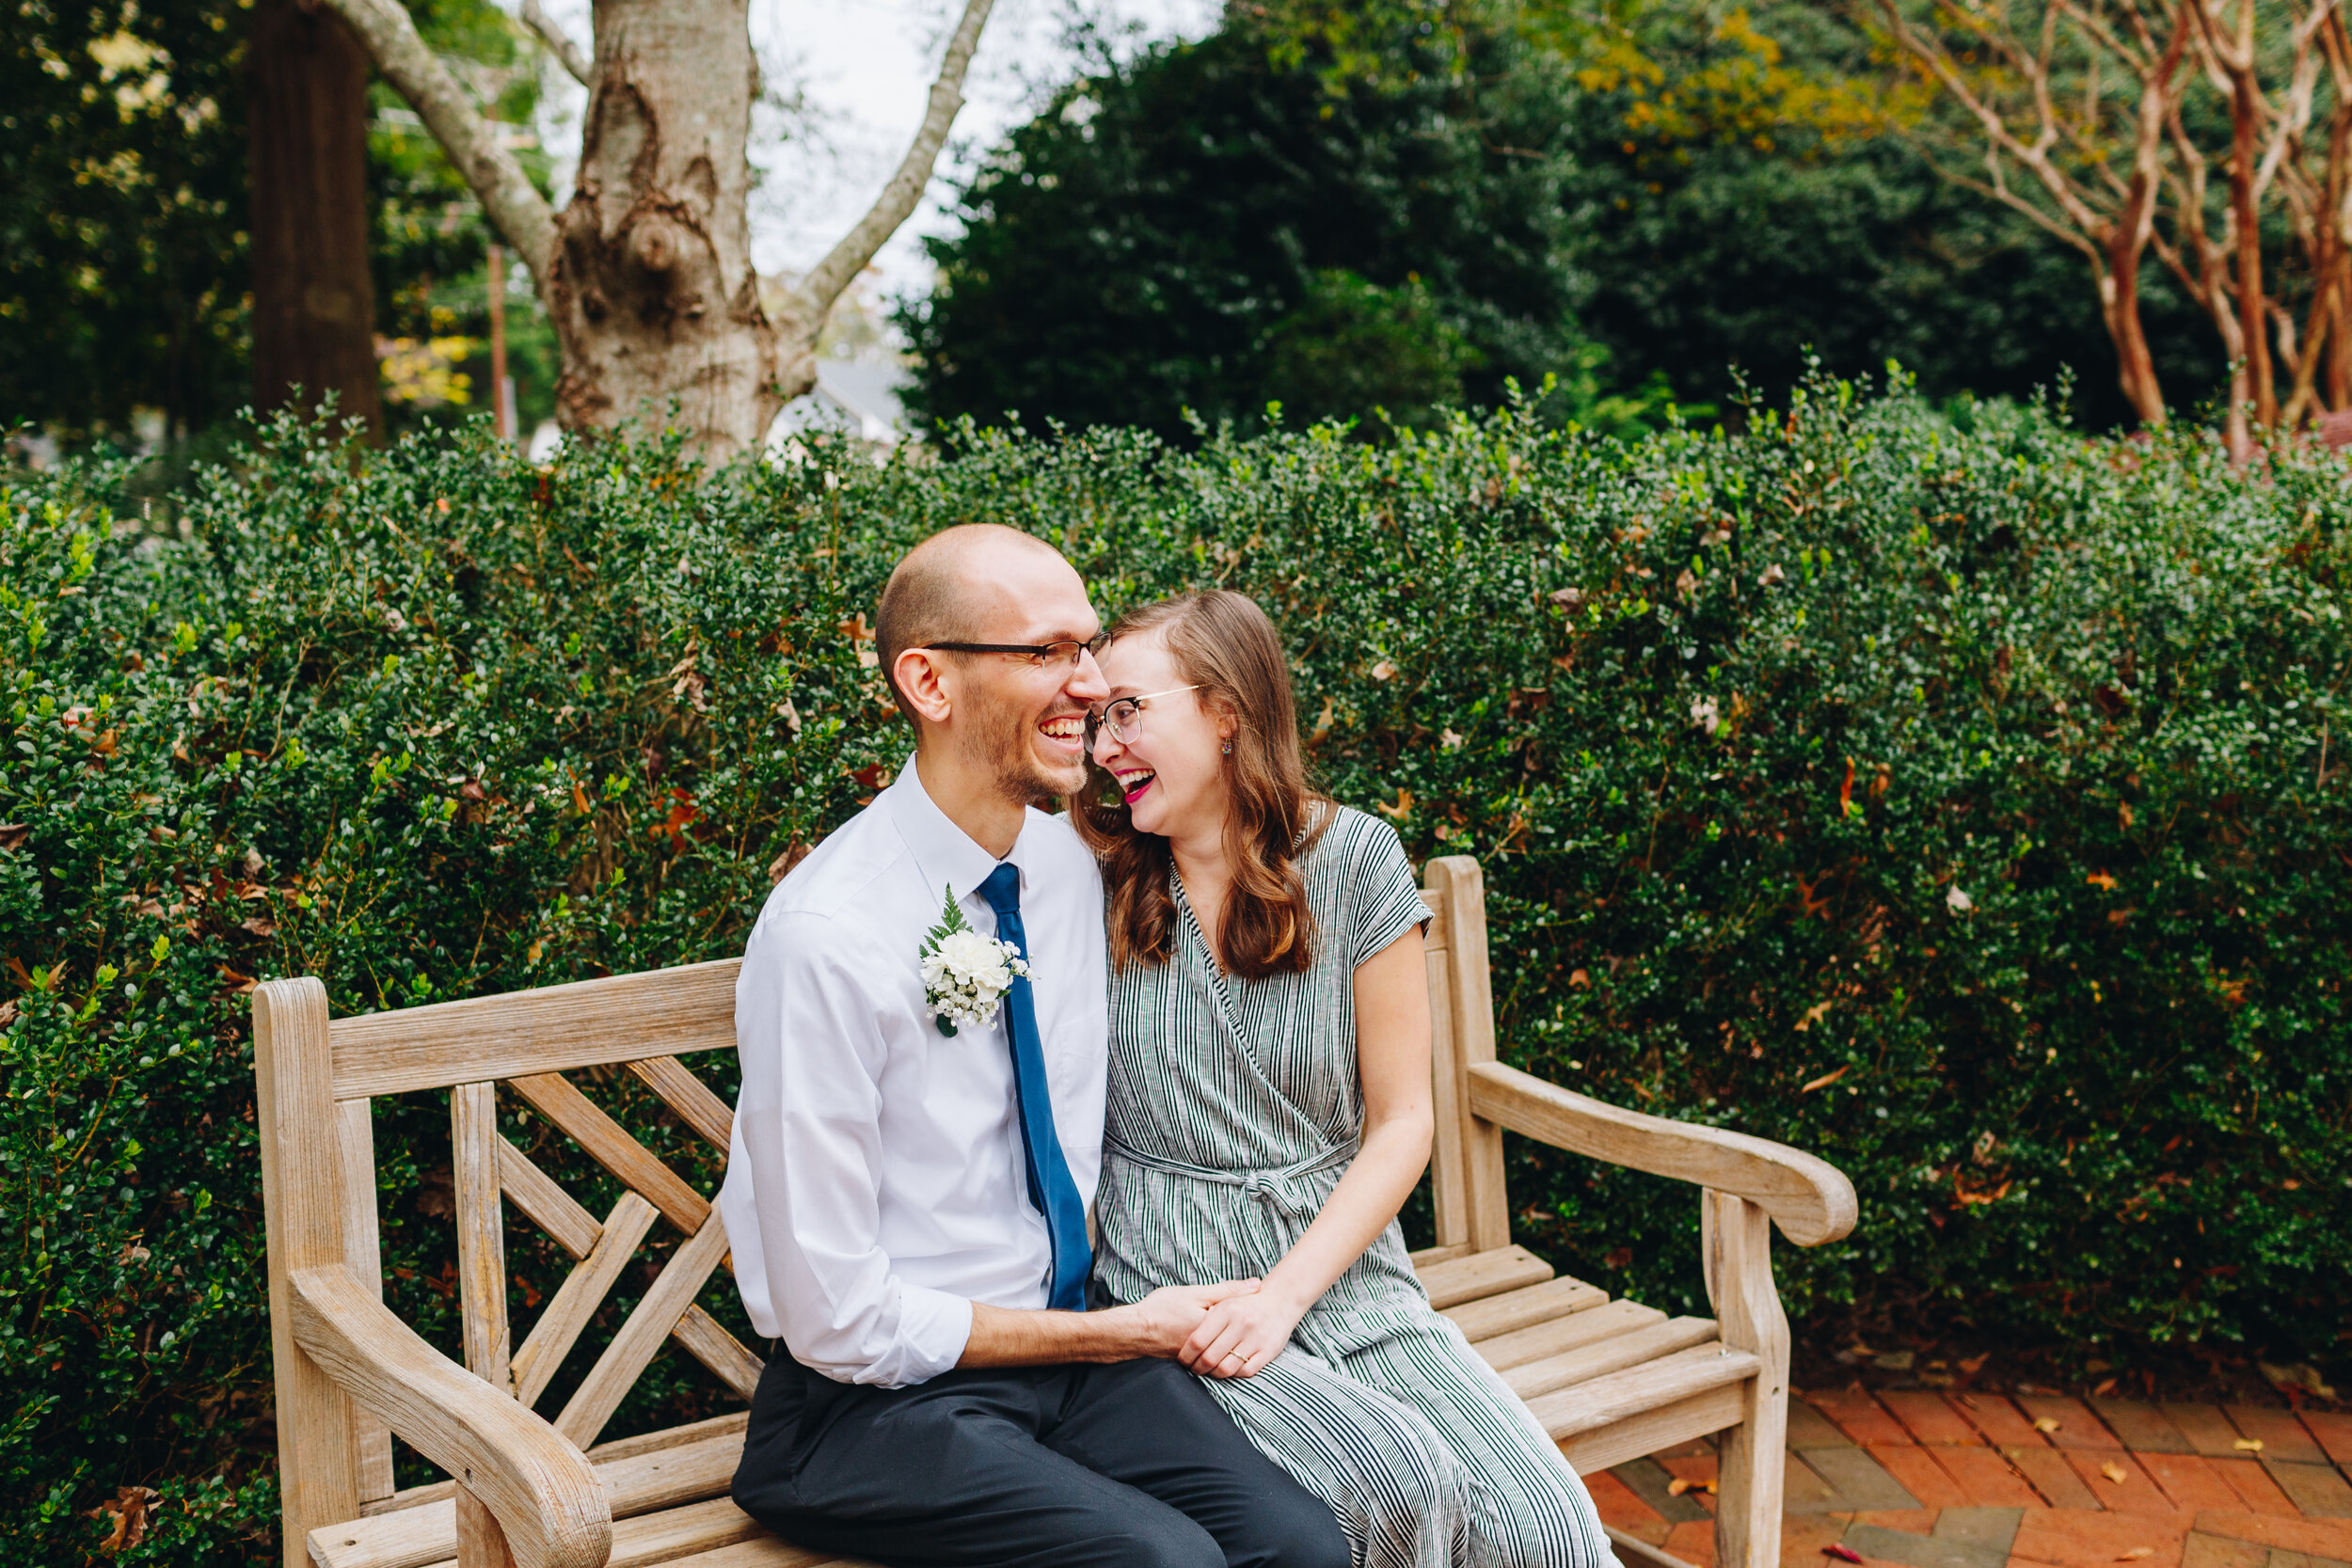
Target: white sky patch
{"x": 847, "y": 81}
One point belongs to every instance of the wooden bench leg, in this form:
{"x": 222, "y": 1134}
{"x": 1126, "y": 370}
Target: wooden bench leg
{"x": 481, "y": 1543}
{"x": 1735, "y": 1238}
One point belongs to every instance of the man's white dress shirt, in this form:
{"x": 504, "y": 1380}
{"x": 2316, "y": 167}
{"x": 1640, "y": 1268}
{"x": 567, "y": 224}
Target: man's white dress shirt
{"x": 876, "y": 1185}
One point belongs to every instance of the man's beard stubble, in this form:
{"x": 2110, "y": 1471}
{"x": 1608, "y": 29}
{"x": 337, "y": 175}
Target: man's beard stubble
{"x": 1001, "y": 735}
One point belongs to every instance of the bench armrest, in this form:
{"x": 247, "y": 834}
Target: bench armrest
{"x": 1810, "y": 1198}
{"x": 537, "y": 1485}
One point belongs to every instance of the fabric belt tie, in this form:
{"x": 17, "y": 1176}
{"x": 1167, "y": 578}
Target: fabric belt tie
{"x": 1051, "y": 1187}
{"x": 1276, "y": 1187}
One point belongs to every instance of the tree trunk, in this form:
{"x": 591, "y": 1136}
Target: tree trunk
{"x": 2246, "y": 104}
{"x": 2119, "y": 301}
{"x": 651, "y": 285}
{"x": 313, "y": 298}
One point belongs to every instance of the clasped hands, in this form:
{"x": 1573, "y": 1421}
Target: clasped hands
{"x": 1226, "y": 1330}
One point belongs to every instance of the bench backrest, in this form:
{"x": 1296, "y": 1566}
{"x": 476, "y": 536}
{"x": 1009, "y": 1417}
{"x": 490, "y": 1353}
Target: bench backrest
{"x": 318, "y": 1078}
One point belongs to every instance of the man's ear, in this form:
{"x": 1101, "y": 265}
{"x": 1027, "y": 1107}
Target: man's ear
{"x": 922, "y": 684}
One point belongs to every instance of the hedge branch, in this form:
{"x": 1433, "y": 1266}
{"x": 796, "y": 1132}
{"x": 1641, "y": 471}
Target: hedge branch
{"x": 469, "y": 139}
{"x": 824, "y": 283}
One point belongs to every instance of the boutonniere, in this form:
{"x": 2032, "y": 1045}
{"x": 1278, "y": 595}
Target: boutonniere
{"x": 965, "y": 974}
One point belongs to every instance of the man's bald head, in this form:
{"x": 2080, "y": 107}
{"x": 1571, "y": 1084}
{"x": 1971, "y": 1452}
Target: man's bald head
{"x": 951, "y": 588}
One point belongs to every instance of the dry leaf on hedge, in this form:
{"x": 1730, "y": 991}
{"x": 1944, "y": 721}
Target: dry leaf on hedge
{"x": 1827, "y": 1078}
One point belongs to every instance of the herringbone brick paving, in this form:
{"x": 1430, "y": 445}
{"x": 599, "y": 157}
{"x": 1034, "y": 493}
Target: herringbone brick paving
{"x": 1920, "y": 1479}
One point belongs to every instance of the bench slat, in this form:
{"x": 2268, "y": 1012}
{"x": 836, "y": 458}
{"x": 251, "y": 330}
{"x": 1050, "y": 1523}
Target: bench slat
{"x": 690, "y": 1097}
{"x": 552, "y": 1029}
{"x": 1482, "y": 1274}
{"x": 549, "y": 1207}
{"x": 1506, "y": 1350}
{"x": 1614, "y": 1354}
{"x": 578, "y": 1298}
{"x": 1653, "y": 1429}
{"x": 642, "y": 1337}
{"x": 1638, "y": 1391}
{"x": 1512, "y": 1310}
{"x": 638, "y": 1481}
{"x": 554, "y": 1097}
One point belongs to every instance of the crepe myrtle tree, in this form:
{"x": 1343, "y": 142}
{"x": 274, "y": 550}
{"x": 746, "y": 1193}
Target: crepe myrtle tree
{"x": 646, "y": 271}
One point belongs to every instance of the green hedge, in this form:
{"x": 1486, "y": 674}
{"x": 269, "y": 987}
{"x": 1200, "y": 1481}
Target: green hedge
{"x": 1953, "y": 796}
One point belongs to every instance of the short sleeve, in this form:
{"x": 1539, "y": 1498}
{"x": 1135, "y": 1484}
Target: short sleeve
{"x": 1387, "y": 895}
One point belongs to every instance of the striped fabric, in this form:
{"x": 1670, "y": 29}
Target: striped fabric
{"x": 1235, "y": 1106}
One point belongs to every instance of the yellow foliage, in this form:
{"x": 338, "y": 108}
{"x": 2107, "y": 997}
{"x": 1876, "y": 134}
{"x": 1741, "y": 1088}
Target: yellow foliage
{"x": 422, "y": 372}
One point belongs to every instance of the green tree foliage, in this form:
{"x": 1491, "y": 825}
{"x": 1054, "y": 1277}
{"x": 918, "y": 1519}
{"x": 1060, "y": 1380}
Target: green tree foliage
{"x": 1963, "y": 800}
{"x": 123, "y": 209}
{"x": 1204, "y": 229}
{"x": 123, "y": 214}
{"x": 1683, "y": 194}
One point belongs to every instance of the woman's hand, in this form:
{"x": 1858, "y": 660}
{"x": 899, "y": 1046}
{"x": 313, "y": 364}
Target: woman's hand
{"x": 1241, "y": 1334}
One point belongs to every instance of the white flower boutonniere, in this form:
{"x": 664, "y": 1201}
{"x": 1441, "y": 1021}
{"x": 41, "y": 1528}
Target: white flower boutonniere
{"x": 965, "y": 974}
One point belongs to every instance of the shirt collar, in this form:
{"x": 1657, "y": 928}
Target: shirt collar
{"x": 944, "y": 851}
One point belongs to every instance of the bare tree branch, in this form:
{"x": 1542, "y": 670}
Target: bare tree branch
{"x": 824, "y": 283}
{"x": 470, "y": 141}
{"x": 567, "y": 53}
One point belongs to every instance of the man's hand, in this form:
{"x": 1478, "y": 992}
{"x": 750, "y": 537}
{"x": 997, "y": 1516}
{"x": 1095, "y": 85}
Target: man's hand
{"x": 1239, "y": 1334}
{"x": 1173, "y": 1314}
{"x": 1157, "y": 1326}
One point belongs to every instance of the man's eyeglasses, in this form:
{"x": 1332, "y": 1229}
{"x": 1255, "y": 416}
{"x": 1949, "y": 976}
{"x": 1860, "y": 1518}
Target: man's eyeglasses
{"x": 1051, "y": 655}
{"x": 1123, "y": 717}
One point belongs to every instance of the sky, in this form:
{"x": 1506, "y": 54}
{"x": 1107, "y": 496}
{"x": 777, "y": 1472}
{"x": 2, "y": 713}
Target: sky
{"x": 863, "y": 71}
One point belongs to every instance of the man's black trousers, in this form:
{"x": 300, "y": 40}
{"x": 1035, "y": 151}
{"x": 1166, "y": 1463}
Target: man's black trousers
{"x": 1129, "y": 1465}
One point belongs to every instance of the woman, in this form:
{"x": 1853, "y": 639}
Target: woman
{"x": 1270, "y": 1106}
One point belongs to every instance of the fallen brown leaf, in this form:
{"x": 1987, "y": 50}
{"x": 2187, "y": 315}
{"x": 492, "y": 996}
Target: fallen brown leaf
{"x": 2047, "y": 1423}
{"x": 1826, "y": 1078}
{"x": 2113, "y": 1471}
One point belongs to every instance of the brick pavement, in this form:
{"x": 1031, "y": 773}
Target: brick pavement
{"x": 1919, "y": 1480}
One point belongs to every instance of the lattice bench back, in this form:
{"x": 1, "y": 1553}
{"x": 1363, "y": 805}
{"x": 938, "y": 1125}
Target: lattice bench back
{"x": 318, "y": 1079}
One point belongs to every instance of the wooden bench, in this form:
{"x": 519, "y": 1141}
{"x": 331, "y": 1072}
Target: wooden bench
{"x": 1611, "y": 1380}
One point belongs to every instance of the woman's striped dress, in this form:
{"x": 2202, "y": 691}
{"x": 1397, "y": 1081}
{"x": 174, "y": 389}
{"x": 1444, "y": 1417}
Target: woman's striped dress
{"x": 1235, "y": 1106}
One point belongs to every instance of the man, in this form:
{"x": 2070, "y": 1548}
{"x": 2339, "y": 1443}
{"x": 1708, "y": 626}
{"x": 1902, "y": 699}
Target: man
{"x": 906, "y": 1204}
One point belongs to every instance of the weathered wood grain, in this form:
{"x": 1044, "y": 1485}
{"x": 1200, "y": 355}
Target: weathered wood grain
{"x": 576, "y": 1300}
{"x": 690, "y": 1097}
{"x": 552, "y": 1208}
{"x": 1604, "y": 1401}
{"x": 1809, "y": 1196}
{"x": 1482, "y": 1274}
{"x": 1490, "y": 1316}
{"x": 610, "y": 1145}
{"x": 303, "y": 1205}
{"x": 473, "y": 1130}
{"x": 363, "y": 1254}
{"x": 553, "y": 1029}
{"x": 599, "y": 1394}
{"x": 544, "y": 1493}
{"x": 1457, "y": 889}
{"x": 1736, "y": 1239}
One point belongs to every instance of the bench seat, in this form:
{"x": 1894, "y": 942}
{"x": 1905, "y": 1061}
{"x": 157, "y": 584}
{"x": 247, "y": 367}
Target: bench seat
{"x": 1608, "y": 1380}
{"x": 1582, "y": 1361}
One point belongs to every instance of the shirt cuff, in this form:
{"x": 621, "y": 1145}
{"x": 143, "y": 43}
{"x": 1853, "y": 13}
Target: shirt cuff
{"x": 934, "y": 1328}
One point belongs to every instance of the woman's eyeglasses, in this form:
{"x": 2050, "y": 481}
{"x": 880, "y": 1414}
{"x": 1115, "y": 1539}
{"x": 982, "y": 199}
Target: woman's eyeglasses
{"x": 1123, "y": 717}
{"x": 1051, "y": 655}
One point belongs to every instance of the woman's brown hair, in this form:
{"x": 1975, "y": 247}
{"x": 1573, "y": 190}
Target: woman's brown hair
{"x": 1222, "y": 643}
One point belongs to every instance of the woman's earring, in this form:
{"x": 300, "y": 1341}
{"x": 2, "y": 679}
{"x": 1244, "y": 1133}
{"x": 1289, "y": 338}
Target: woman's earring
{"x": 1229, "y": 748}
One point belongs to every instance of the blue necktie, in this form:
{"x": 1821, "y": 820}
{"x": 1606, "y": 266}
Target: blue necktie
{"x": 1050, "y": 1185}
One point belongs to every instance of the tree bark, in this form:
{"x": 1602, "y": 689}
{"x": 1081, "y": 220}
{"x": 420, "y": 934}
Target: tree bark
{"x": 651, "y": 285}
{"x": 313, "y": 297}
{"x": 2118, "y": 301}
